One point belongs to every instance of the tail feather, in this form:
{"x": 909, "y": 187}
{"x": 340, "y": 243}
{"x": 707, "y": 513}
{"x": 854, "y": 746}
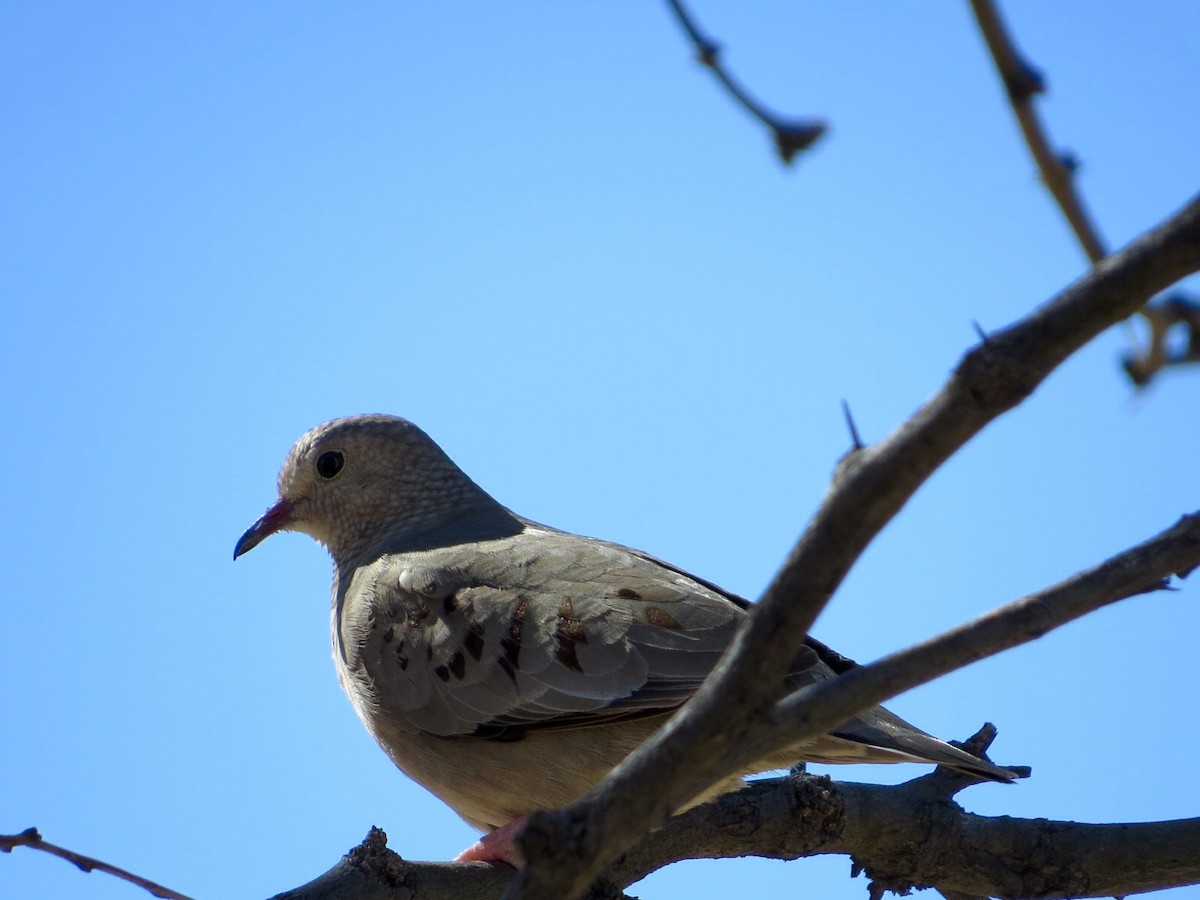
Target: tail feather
{"x": 882, "y": 736}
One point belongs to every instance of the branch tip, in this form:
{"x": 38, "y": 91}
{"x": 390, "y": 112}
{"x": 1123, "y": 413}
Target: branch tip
{"x": 790, "y": 137}
{"x": 796, "y": 137}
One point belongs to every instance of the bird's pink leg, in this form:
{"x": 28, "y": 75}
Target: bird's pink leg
{"x": 497, "y": 846}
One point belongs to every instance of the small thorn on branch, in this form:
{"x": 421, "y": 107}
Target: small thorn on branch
{"x": 1023, "y": 80}
{"x": 1069, "y": 161}
{"x": 854, "y": 437}
{"x": 707, "y": 54}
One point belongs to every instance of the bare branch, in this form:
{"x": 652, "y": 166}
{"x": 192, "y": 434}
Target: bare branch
{"x": 373, "y": 872}
{"x": 1175, "y": 311}
{"x": 791, "y": 136}
{"x": 1023, "y": 82}
{"x": 964, "y": 855}
{"x": 1136, "y": 571}
{"x": 567, "y": 849}
{"x": 31, "y": 838}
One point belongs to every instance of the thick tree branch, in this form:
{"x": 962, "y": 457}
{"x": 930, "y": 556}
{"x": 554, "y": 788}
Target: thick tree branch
{"x": 962, "y": 854}
{"x": 569, "y": 848}
{"x": 791, "y": 135}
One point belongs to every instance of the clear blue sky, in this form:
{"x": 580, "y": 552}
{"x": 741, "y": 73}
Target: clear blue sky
{"x": 540, "y": 231}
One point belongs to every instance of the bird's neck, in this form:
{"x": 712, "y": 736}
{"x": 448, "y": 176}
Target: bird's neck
{"x": 479, "y": 518}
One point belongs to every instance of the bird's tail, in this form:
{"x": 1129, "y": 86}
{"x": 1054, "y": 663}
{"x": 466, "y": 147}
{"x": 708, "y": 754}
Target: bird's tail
{"x": 881, "y": 736}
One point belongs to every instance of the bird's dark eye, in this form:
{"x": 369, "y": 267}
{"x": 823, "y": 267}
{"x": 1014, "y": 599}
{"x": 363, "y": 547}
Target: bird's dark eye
{"x": 330, "y": 463}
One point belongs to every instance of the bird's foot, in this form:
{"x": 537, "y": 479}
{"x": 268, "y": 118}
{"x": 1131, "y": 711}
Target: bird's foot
{"x": 497, "y": 846}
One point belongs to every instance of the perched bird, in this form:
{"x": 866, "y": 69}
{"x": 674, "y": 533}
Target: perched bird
{"x": 505, "y": 665}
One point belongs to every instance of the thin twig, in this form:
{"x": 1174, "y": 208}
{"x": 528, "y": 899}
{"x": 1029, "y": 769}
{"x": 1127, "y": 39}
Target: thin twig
{"x": 31, "y": 838}
{"x": 1175, "y": 309}
{"x": 1022, "y": 82}
{"x": 791, "y": 135}
{"x": 568, "y": 848}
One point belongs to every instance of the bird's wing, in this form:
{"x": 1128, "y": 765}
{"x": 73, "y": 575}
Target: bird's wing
{"x": 533, "y": 631}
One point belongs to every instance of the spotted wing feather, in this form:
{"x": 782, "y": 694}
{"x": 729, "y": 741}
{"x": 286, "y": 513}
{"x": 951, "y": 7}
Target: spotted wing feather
{"x": 544, "y": 631}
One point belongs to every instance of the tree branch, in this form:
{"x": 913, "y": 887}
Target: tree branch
{"x": 1176, "y": 309}
{"x": 569, "y": 848}
{"x": 820, "y": 708}
{"x": 1022, "y": 83}
{"x": 791, "y": 136}
{"x": 31, "y": 838}
{"x": 962, "y": 854}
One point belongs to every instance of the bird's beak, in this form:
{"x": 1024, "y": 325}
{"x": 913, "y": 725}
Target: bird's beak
{"x": 277, "y": 518}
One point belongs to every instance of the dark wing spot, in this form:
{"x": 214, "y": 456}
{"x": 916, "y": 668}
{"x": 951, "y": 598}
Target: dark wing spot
{"x": 473, "y": 642}
{"x": 628, "y": 594}
{"x": 458, "y": 665}
{"x": 660, "y": 617}
{"x": 571, "y": 630}
{"x": 565, "y": 654}
{"x": 442, "y": 672}
{"x": 568, "y": 626}
{"x": 450, "y": 604}
{"x": 389, "y": 635}
{"x": 567, "y": 634}
{"x": 511, "y": 661}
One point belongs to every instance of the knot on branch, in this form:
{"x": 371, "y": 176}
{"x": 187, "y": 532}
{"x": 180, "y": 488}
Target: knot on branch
{"x": 818, "y": 805}
{"x": 998, "y": 374}
{"x": 375, "y": 860}
{"x": 1022, "y": 80}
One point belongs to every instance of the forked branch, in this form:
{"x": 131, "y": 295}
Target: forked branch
{"x": 569, "y": 848}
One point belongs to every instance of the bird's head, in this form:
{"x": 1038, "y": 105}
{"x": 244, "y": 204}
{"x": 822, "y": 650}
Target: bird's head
{"x": 363, "y": 481}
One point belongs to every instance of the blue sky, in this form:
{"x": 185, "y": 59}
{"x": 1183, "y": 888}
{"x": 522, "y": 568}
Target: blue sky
{"x": 542, "y": 233}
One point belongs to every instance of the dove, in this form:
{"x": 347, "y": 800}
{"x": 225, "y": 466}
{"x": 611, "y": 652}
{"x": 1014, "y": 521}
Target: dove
{"x": 508, "y": 666}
